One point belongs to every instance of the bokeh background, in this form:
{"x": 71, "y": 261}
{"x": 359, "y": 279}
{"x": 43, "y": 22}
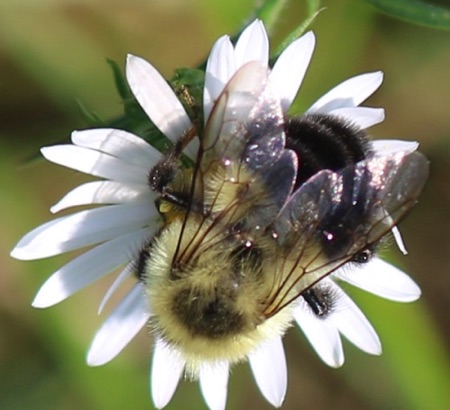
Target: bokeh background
{"x": 53, "y": 53}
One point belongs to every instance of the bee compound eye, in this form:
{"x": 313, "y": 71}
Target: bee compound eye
{"x": 363, "y": 256}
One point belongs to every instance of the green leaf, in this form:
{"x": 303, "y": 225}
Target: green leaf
{"x": 119, "y": 80}
{"x": 416, "y": 11}
{"x": 270, "y": 11}
{"x": 313, "y": 12}
{"x": 90, "y": 117}
{"x": 188, "y": 86}
{"x": 312, "y": 6}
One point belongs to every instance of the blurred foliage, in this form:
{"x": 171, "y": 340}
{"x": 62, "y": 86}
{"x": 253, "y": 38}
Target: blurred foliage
{"x": 53, "y": 54}
{"x": 425, "y": 13}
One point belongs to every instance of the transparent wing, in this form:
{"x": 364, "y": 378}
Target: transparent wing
{"x": 243, "y": 174}
{"x": 242, "y": 150}
{"x": 333, "y": 216}
{"x": 246, "y": 123}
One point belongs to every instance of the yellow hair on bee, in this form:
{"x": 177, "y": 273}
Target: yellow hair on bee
{"x": 234, "y": 190}
{"x": 204, "y": 305}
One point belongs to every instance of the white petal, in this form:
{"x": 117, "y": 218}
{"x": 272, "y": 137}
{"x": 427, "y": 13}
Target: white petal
{"x": 352, "y": 323}
{"x": 104, "y": 192}
{"x": 95, "y": 163}
{"x": 88, "y": 267}
{"x": 268, "y": 364}
{"x": 130, "y": 316}
{"x": 121, "y": 277}
{"x": 399, "y": 240}
{"x": 322, "y": 335}
{"x": 362, "y": 117}
{"x": 349, "y": 93}
{"x": 253, "y": 45}
{"x": 387, "y": 147}
{"x": 157, "y": 98}
{"x": 220, "y": 68}
{"x": 82, "y": 229}
{"x": 118, "y": 143}
{"x": 214, "y": 384}
{"x": 290, "y": 68}
{"x": 382, "y": 279}
{"x": 167, "y": 368}
{"x": 395, "y": 231}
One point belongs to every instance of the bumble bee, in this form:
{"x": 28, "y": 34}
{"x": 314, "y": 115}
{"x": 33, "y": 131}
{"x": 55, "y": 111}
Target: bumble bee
{"x": 260, "y": 218}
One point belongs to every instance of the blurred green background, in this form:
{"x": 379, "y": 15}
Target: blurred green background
{"x": 53, "y": 53}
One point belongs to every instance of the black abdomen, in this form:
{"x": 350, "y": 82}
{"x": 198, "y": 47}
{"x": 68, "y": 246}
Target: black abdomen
{"x": 324, "y": 142}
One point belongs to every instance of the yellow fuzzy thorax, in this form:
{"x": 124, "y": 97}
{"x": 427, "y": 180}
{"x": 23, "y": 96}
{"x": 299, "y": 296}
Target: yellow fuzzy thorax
{"x": 213, "y": 274}
{"x": 209, "y": 278}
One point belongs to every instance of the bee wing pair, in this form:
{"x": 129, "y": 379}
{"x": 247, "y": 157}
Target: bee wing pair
{"x": 246, "y": 129}
{"x": 328, "y": 219}
{"x": 335, "y": 215}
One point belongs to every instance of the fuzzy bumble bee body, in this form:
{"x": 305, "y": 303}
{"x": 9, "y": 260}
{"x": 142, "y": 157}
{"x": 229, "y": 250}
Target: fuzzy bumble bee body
{"x": 209, "y": 277}
{"x": 260, "y": 218}
{"x": 213, "y": 307}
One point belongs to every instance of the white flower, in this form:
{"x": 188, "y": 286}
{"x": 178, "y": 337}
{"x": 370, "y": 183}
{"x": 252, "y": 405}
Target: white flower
{"x": 125, "y": 219}
{"x": 377, "y": 277}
